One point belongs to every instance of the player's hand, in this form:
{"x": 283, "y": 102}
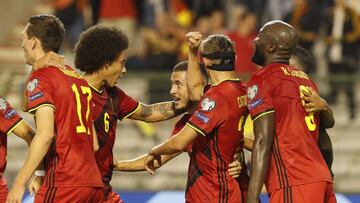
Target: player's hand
{"x": 312, "y": 102}
{"x": 35, "y": 184}
{"x": 50, "y": 59}
{"x": 149, "y": 162}
{"x": 193, "y": 40}
{"x": 235, "y": 169}
{"x": 16, "y": 194}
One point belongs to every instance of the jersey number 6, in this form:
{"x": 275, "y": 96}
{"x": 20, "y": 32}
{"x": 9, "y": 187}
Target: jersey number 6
{"x": 309, "y": 120}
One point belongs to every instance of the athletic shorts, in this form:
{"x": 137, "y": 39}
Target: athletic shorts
{"x": 70, "y": 195}
{"x": 318, "y": 192}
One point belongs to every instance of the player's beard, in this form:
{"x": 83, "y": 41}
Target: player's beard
{"x": 258, "y": 57}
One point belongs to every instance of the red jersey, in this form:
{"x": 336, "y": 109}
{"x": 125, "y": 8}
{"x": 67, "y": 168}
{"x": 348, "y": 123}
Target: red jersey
{"x": 295, "y": 158}
{"x": 70, "y": 160}
{"x": 9, "y": 119}
{"x": 110, "y": 104}
{"x": 219, "y": 118}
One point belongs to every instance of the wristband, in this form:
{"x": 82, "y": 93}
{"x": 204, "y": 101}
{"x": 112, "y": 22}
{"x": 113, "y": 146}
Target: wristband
{"x": 39, "y": 173}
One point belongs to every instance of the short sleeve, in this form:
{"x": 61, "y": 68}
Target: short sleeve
{"x": 126, "y": 105}
{"x": 39, "y": 91}
{"x": 9, "y": 118}
{"x": 210, "y": 113}
{"x": 259, "y": 97}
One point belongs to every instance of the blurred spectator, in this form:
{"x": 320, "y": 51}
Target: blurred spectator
{"x": 121, "y": 14}
{"x": 161, "y": 46}
{"x": 306, "y": 18}
{"x": 217, "y": 21}
{"x": 243, "y": 36}
{"x": 70, "y": 12}
{"x": 343, "y": 39}
{"x": 205, "y": 7}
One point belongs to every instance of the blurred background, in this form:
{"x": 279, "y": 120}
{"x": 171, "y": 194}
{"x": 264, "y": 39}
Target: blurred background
{"x": 330, "y": 29}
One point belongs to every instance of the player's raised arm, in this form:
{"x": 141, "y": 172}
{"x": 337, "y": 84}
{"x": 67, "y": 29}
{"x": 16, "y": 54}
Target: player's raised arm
{"x": 38, "y": 148}
{"x": 314, "y": 103}
{"x": 156, "y": 112}
{"x": 264, "y": 129}
{"x": 195, "y": 78}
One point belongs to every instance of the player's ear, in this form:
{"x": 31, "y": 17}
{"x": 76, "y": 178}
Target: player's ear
{"x": 271, "y": 48}
{"x": 35, "y": 42}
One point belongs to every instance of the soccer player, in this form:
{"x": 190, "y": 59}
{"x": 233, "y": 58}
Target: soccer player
{"x": 285, "y": 152}
{"x": 60, "y": 101}
{"x": 303, "y": 60}
{"x": 10, "y": 122}
{"x": 214, "y": 129}
{"x": 103, "y": 64}
{"x": 180, "y": 93}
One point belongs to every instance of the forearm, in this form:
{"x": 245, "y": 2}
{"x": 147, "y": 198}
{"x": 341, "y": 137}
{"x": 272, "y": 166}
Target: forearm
{"x": 37, "y": 151}
{"x": 156, "y": 112}
{"x": 327, "y": 119}
{"x": 260, "y": 158}
{"x": 137, "y": 164}
{"x": 325, "y": 147}
{"x": 195, "y": 79}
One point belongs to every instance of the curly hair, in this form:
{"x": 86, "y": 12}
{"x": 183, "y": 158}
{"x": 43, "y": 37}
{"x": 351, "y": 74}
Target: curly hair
{"x": 48, "y": 29}
{"x": 98, "y": 46}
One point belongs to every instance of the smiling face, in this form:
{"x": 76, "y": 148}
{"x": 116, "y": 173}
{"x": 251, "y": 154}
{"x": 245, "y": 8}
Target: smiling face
{"x": 113, "y": 72}
{"x": 179, "y": 90}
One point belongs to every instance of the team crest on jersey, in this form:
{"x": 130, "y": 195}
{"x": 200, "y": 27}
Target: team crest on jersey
{"x": 207, "y": 104}
{"x": 32, "y": 85}
{"x": 3, "y": 104}
{"x": 252, "y": 91}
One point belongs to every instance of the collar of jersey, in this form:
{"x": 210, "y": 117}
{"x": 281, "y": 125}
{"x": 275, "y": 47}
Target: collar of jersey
{"x": 98, "y": 91}
{"x": 232, "y": 80}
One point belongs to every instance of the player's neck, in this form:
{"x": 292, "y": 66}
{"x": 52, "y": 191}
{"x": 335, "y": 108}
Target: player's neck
{"x": 277, "y": 59}
{"x": 38, "y": 53}
{"x": 94, "y": 80}
{"x": 217, "y": 77}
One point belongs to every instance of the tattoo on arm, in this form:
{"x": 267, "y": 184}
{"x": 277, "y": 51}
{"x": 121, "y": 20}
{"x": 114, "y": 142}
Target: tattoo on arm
{"x": 159, "y": 111}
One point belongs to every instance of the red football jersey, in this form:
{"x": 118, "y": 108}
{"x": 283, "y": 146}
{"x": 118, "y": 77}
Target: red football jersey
{"x": 70, "y": 160}
{"x": 295, "y": 158}
{"x": 9, "y": 119}
{"x": 219, "y": 118}
{"x": 110, "y": 104}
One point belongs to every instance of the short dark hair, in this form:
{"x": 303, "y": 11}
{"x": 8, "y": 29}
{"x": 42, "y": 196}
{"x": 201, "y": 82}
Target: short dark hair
{"x": 48, "y": 29}
{"x": 304, "y": 59}
{"x": 99, "y": 45}
{"x": 181, "y": 66}
{"x": 217, "y": 43}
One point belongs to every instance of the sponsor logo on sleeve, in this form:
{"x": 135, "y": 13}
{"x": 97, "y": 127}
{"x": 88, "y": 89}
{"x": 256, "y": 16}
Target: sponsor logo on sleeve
{"x": 3, "y": 104}
{"x": 10, "y": 114}
{"x": 32, "y": 85}
{"x": 35, "y": 96}
{"x": 201, "y": 117}
{"x": 252, "y": 91}
{"x": 255, "y": 103}
{"x": 207, "y": 104}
